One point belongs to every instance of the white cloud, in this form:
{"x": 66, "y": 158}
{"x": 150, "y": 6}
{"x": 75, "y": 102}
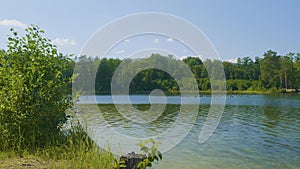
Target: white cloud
{"x": 127, "y": 40}
{"x": 193, "y": 56}
{"x": 156, "y": 40}
{"x": 234, "y": 60}
{"x": 182, "y": 57}
{"x": 64, "y": 41}
{"x": 13, "y": 22}
{"x": 170, "y": 40}
{"x": 120, "y": 52}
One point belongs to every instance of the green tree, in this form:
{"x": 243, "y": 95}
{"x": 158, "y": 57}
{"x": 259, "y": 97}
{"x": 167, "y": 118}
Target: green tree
{"x": 286, "y": 70}
{"x": 270, "y": 69}
{"x": 238, "y": 69}
{"x": 297, "y": 71}
{"x": 34, "y": 90}
{"x": 86, "y": 70}
{"x": 228, "y": 69}
{"x": 256, "y": 68}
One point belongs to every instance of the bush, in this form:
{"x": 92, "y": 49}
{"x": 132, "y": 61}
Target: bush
{"x": 34, "y": 90}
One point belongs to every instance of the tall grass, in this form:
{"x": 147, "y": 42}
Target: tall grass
{"x": 70, "y": 149}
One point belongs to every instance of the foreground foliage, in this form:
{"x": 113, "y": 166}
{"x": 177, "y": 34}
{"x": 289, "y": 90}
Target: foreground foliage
{"x": 151, "y": 153}
{"x": 34, "y": 89}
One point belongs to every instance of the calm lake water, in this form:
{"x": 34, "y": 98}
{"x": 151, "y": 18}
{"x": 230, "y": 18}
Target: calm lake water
{"x": 255, "y": 131}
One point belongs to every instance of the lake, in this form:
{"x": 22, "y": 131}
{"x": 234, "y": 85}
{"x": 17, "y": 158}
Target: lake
{"x": 255, "y": 131}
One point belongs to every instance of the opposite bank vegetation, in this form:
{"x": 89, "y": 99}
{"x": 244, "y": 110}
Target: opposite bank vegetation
{"x": 271, "y": 73}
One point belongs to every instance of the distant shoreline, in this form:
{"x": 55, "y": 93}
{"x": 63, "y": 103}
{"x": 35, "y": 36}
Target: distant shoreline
{"x": 234, "y": 92}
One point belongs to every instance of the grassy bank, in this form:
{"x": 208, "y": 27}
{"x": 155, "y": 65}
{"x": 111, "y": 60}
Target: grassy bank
{"x": 11, "y": 160}
{"x": 79, "y": 159}
{"x": 266, "y": 92}
{"x": 250, "y": 92}
{"x": 246, "y": 92}
{"x": 78, "y": 151}
{"x": 209, "y": 92}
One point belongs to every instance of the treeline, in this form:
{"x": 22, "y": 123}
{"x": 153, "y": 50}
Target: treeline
{"x": 272, "y": 72}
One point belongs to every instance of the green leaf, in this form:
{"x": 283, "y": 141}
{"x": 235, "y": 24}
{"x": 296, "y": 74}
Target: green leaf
{"x": 160, "y": 155}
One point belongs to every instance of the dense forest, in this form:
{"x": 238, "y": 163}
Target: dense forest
{"x": 270, "y": 73}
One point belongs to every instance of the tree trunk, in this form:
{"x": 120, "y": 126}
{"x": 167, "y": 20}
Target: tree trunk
{"x": 286, "y": 83}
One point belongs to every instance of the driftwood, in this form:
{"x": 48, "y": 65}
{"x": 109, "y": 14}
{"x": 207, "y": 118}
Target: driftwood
{"x": 132, "y": 160}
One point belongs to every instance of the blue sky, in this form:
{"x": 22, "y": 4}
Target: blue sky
{"x": 237, "y": 28}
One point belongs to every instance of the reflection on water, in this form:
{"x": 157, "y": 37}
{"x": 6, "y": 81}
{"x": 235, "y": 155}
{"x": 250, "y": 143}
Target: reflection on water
{"x": 264, "y": 135}
{"x": 129, "y": 127}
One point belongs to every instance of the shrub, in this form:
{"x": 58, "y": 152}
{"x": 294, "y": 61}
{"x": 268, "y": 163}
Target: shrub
{"x": 34, "y": 90}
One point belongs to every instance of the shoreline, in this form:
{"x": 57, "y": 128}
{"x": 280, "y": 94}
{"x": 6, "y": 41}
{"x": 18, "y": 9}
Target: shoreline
{"x": 234, "y": 92}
